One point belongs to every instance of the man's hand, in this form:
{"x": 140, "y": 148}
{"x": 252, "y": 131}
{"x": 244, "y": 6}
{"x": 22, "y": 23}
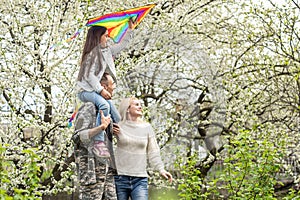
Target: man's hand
{"x": 104, "y": 123}
{"x": 104, "y": 120}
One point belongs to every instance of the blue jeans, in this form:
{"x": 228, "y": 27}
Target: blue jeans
{"x": 129, "y": 186}
{"x": 102, "y": 104}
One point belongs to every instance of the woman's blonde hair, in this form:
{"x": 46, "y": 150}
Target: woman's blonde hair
{"x": 123, "y": 108}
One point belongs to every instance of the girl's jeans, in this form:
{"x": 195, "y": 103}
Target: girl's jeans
{"x": 106, "y": 106}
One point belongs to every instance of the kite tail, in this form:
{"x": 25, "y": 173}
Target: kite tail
{"x": 67, "y": 40}
{"x": 70, "y": 122}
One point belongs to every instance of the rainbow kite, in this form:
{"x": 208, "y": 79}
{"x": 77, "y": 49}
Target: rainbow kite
{"x": 116, "y": 23}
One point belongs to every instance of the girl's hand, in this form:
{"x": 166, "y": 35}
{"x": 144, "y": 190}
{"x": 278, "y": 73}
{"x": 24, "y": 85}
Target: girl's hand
{"x": 105, "y": 94}
{"x": 131, "y": 24}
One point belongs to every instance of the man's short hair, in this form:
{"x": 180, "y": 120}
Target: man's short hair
{"x": 104, "y": 79}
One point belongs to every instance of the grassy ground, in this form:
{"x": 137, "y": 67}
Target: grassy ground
{"x": 162, "y": 194}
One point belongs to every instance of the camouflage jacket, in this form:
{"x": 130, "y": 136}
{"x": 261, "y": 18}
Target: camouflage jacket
{"x": 95, "y": 175}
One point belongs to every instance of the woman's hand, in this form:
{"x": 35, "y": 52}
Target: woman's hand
{"x": 105, "y": 94}
{"x": 116, "y": 129}
{"x": 167, "y": 175}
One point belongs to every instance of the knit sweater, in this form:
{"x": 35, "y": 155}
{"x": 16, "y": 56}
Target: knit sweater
{"x": 136, "y": 144}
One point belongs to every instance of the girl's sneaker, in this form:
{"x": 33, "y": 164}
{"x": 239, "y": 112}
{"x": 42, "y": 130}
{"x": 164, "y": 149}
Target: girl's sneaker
{"x": 100, "y": 150}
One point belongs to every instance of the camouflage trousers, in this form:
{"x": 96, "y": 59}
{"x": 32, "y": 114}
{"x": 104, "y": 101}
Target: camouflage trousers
{"x": 96, "y": 179}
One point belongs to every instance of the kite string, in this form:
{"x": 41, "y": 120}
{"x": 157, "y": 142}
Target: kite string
{"x": 68, "y": 39}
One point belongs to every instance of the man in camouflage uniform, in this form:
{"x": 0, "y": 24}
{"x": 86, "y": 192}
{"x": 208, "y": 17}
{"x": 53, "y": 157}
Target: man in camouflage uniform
{"x": 95, "y": 175}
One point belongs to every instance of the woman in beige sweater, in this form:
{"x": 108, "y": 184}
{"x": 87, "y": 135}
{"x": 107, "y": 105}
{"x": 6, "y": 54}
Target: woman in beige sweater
{"x": 135, "y": 146}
